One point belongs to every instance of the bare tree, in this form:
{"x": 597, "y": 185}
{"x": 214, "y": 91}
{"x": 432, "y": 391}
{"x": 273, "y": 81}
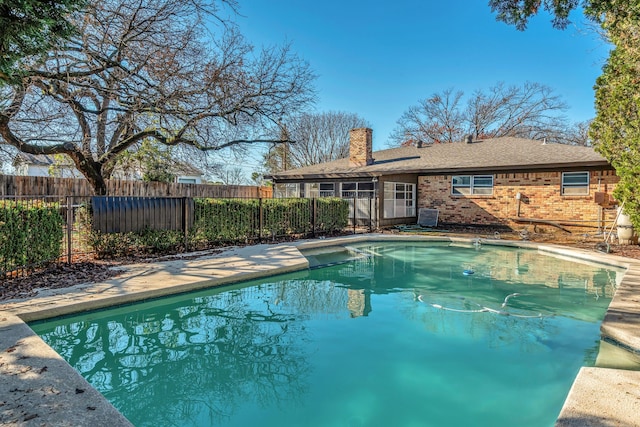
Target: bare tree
{"x": 317, "y": 138}
{"x": 159, "y": 70}
{"x": 528, "y": 111}
{"x": 434, "y": 120}
{"x": 578, "y": 134}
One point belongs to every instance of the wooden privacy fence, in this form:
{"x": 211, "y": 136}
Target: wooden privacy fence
{"x": 11, "y": 185}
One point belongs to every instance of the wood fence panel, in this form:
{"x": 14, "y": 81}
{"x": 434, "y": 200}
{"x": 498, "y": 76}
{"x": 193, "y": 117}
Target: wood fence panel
{"x": 11, "y": 185}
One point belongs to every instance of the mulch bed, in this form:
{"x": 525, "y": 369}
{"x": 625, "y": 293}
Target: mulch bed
{"x": 60, "y": 275}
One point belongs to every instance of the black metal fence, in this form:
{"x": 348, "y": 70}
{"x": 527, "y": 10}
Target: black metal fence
{"x": 114, "y": 224}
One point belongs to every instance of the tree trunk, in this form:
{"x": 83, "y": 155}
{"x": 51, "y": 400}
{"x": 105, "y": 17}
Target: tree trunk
{"x": 92, "y": 171}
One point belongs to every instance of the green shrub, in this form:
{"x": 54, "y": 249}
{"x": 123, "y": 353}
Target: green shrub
{"x": 225, "y": 220}
{"x": 113, "y": 245}
{"x": 331, "y": 214}
{"x": 30, "y": 234}
{"x": 159, "y": 241}
{"x": 283, "y": 217}
{"x": 219, "y": 221}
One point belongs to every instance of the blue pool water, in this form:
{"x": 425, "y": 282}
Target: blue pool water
{"x": 388, "y": 334}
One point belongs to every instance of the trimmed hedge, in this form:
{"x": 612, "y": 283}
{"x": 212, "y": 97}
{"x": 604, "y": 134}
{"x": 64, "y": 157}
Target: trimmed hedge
{"x": 331, "y": 214}
{"x": 30, "y": 234}
{"x": 225, "y": 220}
{"x": 221, "y": 221}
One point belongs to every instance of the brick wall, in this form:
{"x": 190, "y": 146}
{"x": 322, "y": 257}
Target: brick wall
{"x": 540, "y": 199}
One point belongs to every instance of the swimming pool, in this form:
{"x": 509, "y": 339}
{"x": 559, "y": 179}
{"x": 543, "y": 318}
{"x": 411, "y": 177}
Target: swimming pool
{"x": 388, "y": 334}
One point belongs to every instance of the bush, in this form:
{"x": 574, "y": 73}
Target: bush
{"x": 30, "y": 234}
{"x": 225, "y": 220}
{"x": 284, "y": 217}
{"x": 113, "y": 245}
{"x": 220, "y": 221}
{"x": 331, "y": 214}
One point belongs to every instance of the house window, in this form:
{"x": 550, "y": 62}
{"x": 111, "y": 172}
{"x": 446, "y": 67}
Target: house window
{"x": 360, "y": 190}
{"x": 287, "y": 189}
{"x": 399, "y": 200}
{"x": 472, "y": 184}
{"x": 186, "y": 180}
{"x": 319, "y": 189}
{"x": 575, "y": 183}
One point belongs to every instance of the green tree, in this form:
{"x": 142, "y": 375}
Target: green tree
{"x": 616, "y": 128}
{"x": 30, "y": 28}
{"x": 518, "y": 12}
{"x": 148, "y": 159}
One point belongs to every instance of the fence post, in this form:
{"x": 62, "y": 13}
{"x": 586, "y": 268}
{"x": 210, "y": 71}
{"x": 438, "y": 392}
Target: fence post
{"x": 370, "y": 214}
{"x": 260, "y": 219}
{"x": 185, "y": 223}
{"x": 314, "y": 206}
{"x": 355, "y": 213}
{"x": 69, "y": 226}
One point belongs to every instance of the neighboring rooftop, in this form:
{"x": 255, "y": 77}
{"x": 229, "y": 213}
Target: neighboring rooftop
{"x": 499, "y": 154}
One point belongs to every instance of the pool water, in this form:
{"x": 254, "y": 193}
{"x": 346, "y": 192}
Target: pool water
{"x": 389, "y": 334}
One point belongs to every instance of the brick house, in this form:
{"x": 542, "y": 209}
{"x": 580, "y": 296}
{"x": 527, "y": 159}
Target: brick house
{"x": 501, "y": 181}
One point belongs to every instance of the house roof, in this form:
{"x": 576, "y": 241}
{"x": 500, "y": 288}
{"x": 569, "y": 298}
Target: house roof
{"x": 181, "y": 168}
{"x": 499, "y": 154}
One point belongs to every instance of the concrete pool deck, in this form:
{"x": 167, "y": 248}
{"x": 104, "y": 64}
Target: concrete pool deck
{"x": 38, "y": 387}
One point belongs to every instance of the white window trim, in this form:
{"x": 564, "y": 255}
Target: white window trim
{"x": 471, "y": 186}
{"x": 318, "y": 192}
{"x": 564, "y": 186}
{"x": 390, "y": 197}
{"x": 360, "y": 193}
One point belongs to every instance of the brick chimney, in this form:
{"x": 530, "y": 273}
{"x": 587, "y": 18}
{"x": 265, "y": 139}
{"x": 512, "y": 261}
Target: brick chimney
{"x": 360, "y": 147}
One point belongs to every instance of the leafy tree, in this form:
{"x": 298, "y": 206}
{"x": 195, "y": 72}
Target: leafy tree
{"x": 147, "y": 160}
{"x": 32, "y": 27}
{"x": 168, "y": 71}
{"x": 518, "y": 12}
{"x": 528, "y": 111}
{"x": 316, "y": 138}
{"x": 616, "y": 128}
{"x": 62, "y": 167}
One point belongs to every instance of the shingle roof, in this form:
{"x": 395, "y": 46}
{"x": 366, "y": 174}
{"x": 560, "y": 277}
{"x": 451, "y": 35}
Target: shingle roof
{"x": 499, "y": 154}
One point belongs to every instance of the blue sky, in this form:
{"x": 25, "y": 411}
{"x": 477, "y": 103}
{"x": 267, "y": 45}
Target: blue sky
{"x": 377, "y": 59}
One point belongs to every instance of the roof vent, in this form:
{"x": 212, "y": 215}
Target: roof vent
{"x": 468, "y": 139}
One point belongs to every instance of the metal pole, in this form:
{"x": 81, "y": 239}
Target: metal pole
{"x": 260, "y": 220}
{"x": 314, "y": 207}
{"x": 354, "y": 214}
{"x": 370, "y": 215}
{"x": 185, "y": 223}
{"x": 69, "y": 226}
